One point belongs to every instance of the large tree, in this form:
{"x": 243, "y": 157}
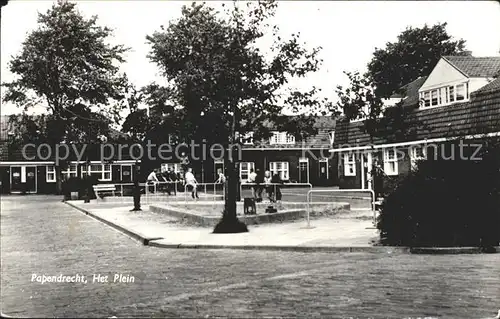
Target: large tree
{"x": 220, "y": 84}
{"x": 413, "y": 55}
{"x": 67, "y": 65}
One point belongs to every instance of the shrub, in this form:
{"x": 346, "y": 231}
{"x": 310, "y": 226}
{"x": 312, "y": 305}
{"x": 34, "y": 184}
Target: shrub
{"x": 446, "y": 203}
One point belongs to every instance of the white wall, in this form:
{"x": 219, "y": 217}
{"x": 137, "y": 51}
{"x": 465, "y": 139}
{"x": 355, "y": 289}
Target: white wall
{"x": 442, "y": 74}
{"x": 477, "y": 83}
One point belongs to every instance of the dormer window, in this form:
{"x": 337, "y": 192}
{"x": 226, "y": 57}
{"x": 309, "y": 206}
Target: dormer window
{"x": 281, "y": 138}
{"x": 247, "y": 138}
{"x": 444, "y": 95}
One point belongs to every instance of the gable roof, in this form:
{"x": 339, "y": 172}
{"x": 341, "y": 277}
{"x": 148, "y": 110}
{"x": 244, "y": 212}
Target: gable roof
{"x": 475, "y": 66}
{"x": 493, "y": 85}
{"x": 410, "y": 91}
{"x": 480, "y": 115}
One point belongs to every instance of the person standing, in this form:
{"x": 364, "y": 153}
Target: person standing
{"x": 268, "y": 185}
{"x": 191, "y": 182}
{"x": 276, "y": 180}
{"x": 251, "y": 180}
{"x": 259, "y": 180}
{"x": 184, "y": 162}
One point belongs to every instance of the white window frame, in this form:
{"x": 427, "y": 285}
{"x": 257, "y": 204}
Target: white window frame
{"x": 414, "y": 157}
{"x": 388, "y": 160}
{"x": 281, "y": 138}
{"x": 247, "y": 138}
{"x": 248, "y": 166}
{"x": 70, "y": 171}
{"x": 349, "y": 164}
{"x": 283, "y": 171}
{"x": 50, "y": 174}
{"x": 104, "y": 169}
{"x": 446, "y": 95}
{"x": 166, "y": 166}
{"x": 461, "y": 85}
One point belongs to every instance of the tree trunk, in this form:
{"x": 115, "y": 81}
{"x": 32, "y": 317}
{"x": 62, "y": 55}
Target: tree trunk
{"x": 58, "y": 180}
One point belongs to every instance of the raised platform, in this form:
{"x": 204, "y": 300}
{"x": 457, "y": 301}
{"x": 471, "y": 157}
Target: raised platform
{"x": 208, "y": 214}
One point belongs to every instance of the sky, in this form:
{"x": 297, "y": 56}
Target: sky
{"x": 348, "y": 31}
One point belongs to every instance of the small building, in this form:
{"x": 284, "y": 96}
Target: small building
{"x": 458, "y": 103}
{"x": 32, "y": 168}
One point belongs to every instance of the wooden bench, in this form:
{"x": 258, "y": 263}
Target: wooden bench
{"x": 104, "y": 188}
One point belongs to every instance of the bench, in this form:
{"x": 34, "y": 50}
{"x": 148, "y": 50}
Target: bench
{"x": 104, "y": 188}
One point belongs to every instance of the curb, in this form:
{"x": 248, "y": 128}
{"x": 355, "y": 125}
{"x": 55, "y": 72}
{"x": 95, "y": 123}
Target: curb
{"x": 133, "y": 234}
{"x": 452, "y": 250}
{"x": 152, "y": 241}
{"x": 332, "y": 249}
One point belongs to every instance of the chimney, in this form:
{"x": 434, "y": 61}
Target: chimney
{"x": 468, "y": 53}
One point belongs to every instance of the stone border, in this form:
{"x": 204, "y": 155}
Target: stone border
{"x": 153, "y": 242}
{"x": 210, "y": 221}
{"x": 131, "y": 233}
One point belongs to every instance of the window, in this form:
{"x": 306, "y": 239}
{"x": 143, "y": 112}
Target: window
{"x": 390, "y": 162}
{"x": 417, "y": 153}
{"x": 245, "y": 168}
{"x": 427, "y": 99}
{"x": 350, "y": 164}
{"x": 51, "y": 174}
{"x": 176, "y": 167}
{"x": 451, "y": 93}
{"x": 332, "y": 137}
{"x": 101, "y": 171}
{"x": 443, "y": 97}
{"x": 70, "y": 171}
{"x": 247, "y": 138}
{"x": 460, "y": 92}
{"x": 434, "y": 97}
{"x": 280, "y": 168}
{"x": 282, "y": 138}
{"x": 172, "y": 139}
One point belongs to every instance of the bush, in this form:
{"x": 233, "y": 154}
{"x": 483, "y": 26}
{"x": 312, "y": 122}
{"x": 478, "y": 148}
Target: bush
{"x": 446, "y": 203}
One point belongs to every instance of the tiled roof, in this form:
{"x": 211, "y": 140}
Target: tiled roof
{"x": 478, "y": 116}
{"x": 476, "y": 66}
{"x": 492, "y": 86}
{"x": 410, "y": 91}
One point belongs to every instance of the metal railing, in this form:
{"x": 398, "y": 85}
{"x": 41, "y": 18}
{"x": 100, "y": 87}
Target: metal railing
{"x": 275, "y": 185}
{"x": 372, "y": 198}
{"x": 197, "y": 185}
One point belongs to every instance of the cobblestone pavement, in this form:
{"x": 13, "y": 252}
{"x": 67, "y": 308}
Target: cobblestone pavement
{"x": 41, "y": 235}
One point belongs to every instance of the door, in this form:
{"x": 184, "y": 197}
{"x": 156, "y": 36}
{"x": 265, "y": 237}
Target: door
{"x": 15, "y": 179}
{"x": 323, "y": 171}
{"x": 30, "y": 179}
{"x": 126, "y": 174}
{"x": 303, "y": 170}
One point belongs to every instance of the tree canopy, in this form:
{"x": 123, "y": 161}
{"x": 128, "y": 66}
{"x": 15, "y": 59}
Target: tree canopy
{"x": 67, "y": 65}
{"x": 413, "y": 55}
{"x": 219, "y": 81}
